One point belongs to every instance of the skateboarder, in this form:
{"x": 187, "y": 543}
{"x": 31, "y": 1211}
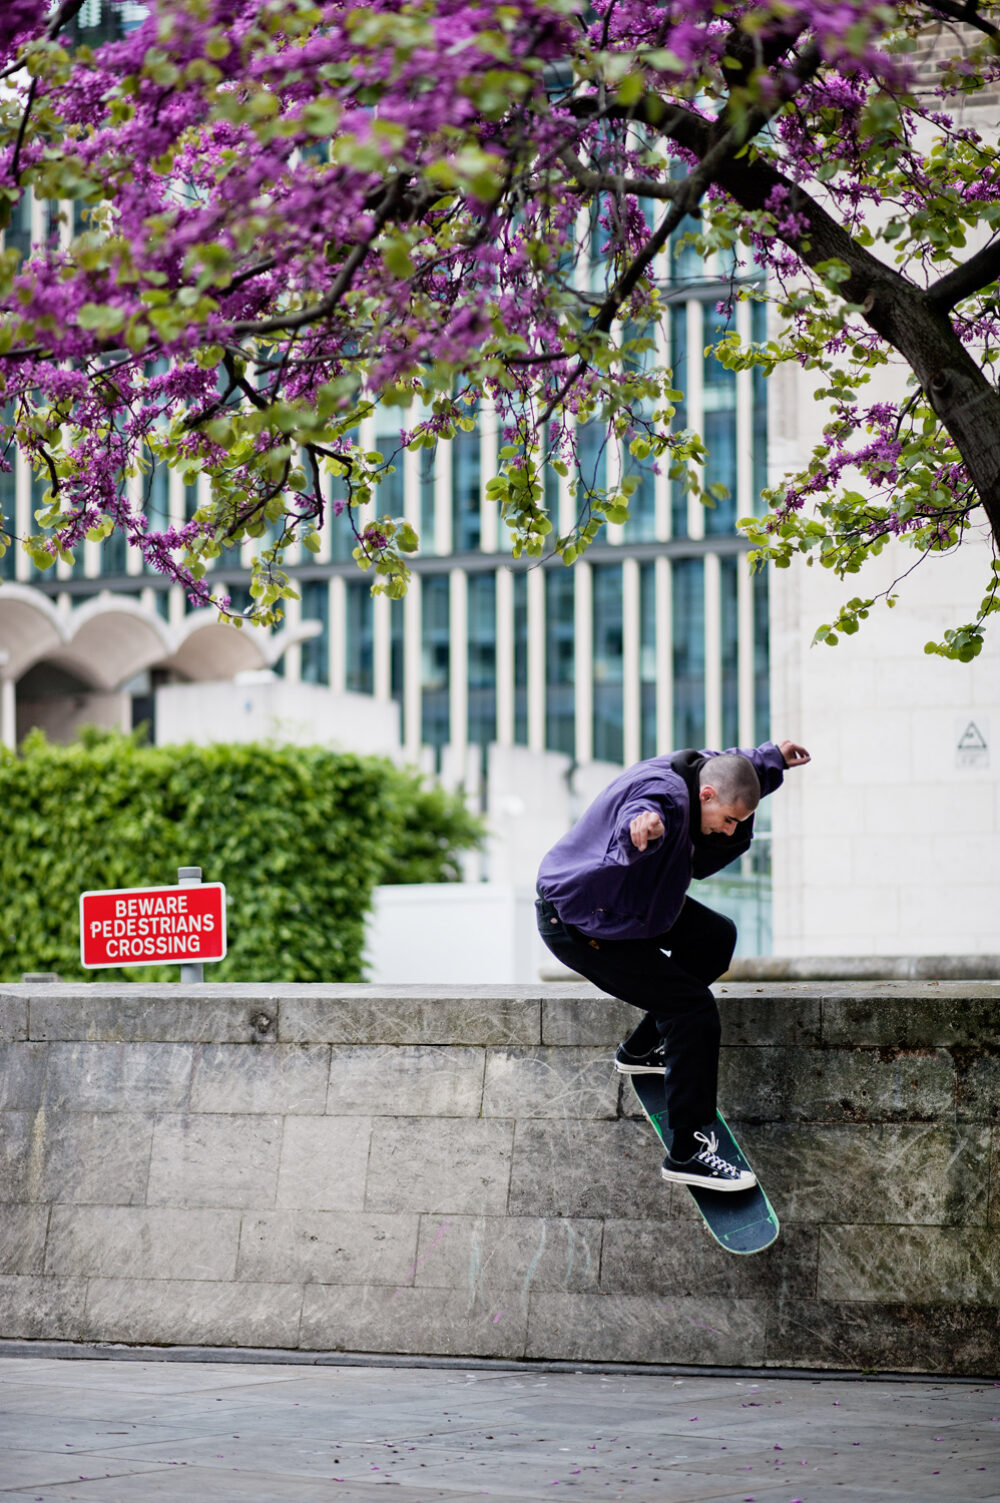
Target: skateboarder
{"x": 612, "y": 901}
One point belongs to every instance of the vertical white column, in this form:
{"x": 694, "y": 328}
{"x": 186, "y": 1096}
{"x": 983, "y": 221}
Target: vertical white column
{"x": 536, "y": 659}
{"x": 664, "y": 656}
{"x": 745, "y": 658}
{"x": 25, "y": 522}
{"x": 631, "y": 667}
{"x": 505, "y": 657}
{"x": 746, "y": 501}
{"x": 713, "y": 651}
{"x": 412, "y": 665}
{"x": 583, "y": 601}
{"x": 661, "y": 482}
{"x": 8, "y": 712}
{"x": 458, "y": 663}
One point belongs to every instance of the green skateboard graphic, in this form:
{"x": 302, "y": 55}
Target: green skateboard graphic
{"x": 741, "y": 1221}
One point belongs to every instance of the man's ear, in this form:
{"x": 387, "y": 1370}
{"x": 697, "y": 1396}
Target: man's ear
{"x": 705, "y": 793}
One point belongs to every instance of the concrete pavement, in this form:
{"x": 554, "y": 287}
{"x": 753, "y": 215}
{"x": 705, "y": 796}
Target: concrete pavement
{"x": 155, "y": 1431}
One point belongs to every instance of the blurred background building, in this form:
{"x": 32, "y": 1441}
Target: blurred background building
{"x": 530, "y": 686}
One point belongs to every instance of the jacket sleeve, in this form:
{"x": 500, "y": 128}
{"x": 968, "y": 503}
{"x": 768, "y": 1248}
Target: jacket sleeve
{"x": 769, "y": 766}
{"x": 622, "y": 851}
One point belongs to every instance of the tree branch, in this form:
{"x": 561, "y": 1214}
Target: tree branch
{"x": 968, "y": 15}
{"x": 979, "y": 271}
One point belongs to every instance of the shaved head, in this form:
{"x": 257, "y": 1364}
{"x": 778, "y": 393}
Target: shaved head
{"x": 733, "y": 778}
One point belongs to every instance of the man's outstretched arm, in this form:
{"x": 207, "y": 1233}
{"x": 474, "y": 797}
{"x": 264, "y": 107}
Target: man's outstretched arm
{"x": 794, "y": 755}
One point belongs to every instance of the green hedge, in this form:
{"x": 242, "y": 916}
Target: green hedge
{"x": 300, "y": 837}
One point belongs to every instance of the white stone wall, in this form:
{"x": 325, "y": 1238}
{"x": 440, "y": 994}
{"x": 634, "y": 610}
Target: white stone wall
{"x": 887, "y": 843}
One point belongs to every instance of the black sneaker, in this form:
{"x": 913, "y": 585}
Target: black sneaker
{"x": 707, "y": 1169}
{"x": 651, "y": 1063}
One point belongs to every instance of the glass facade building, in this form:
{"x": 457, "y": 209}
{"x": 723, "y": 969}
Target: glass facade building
{"x": 656, "y": 638}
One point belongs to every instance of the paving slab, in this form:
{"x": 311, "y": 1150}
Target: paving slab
{"x": 113, "y": 1430}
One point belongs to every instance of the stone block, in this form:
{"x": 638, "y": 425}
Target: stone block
{"x": 959, "y": 1340}
{"x": 118, "y": 1077}
{"x": 327, "y": 1247}
{"x": 837, "y": 1085}
{"x": 568, "y": 1083}
{"x": 632, "y": 1328}
{"x": 646, "y": 1258}
{"x": 438, "y": 1322}
{"x": 757, "y": 1016}
{"x": 406, "y": 1080}
{"x": 915, "y": 1016}
{"x": 13, "y": 1017}
{"x": 484, "y": 1254}
{"x": 583, "y": 1015}
{"x": 181, "y": 1312}
{"x": 447, "y": 1015}
{"x": 917, "y": 1265}
{"x": 978, "y": 1087}
{"x": 152, "y": 1013}
{"x": 22, "y": 1076}
{"x": 445, "y": 1165}
{"x": 588, "y": 1169}
{"x": 142, "y": 1242}
{"x": 879, "y": 1174}
{"x": 39, "y": 1309}
{"x": 22, "y": 1239}
{"x": 324, "y": 1163}
{"x": 215, "y": 1161}
{"x": 287, "y": 1079}
{"x": 76, "y": 1157}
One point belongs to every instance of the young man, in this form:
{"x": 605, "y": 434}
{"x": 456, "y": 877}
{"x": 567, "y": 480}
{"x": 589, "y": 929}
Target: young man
{"x": 612, "y": 900}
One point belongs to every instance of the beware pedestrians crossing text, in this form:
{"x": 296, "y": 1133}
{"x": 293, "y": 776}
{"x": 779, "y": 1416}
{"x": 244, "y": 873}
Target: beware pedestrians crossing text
{"x": 153, "y": 925}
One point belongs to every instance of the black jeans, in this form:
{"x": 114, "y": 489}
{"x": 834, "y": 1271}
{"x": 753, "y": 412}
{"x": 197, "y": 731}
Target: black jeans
{"x": 672, "y": 990}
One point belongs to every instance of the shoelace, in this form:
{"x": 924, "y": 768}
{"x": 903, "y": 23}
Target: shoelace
{"x": 710, "y": 1157}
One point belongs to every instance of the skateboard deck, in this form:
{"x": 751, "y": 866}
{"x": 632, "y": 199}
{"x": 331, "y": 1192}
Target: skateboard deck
{"x": 741, "y": 1221}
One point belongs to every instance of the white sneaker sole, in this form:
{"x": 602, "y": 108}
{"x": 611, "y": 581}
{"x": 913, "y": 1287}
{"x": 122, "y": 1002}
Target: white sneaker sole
{"x": 640, "y": 1069}
{"x": 706, "y": 1181}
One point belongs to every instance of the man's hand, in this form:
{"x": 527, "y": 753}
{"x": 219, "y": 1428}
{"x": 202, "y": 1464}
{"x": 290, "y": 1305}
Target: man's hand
{"x": 644, "y": 828}
{"x": 795, "y": 756}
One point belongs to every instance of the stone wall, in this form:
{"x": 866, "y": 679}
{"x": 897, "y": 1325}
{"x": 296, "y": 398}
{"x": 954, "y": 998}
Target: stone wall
{"x": 461, "y": 1172}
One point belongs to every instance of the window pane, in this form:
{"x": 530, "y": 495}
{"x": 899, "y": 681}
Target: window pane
{"x": 679, "y": 367}
{"x": 758, "y": 330}
{"x": 360, "y": 657}
{"x": 465, "y": 487}
{"x": 560, "y": 635}
{"x": 609, "y": 664}
{"x": 647, "y": 660}
{"x": 689, "y": 652}
{"x": 428, "y": 469}
{"x": 316, "y": 651}
{"x": 434, "y": 661}
{"x": 761, "y": 656}
{"x": 729, "y": 578}
{"x": 521, "y": 658}
{"x": 482, "y": 648}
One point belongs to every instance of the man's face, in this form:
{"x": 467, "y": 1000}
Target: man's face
{"x": 718, "y": 818}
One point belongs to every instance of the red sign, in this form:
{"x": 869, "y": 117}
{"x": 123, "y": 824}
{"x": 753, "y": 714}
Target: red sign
{"x": 153, "y": 925}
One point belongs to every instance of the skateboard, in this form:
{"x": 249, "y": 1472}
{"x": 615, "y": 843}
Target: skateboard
{"x": 741, "y": 1221}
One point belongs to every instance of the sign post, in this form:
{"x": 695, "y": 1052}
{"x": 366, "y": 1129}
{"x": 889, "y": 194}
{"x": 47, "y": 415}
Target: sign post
{"x": 190, "y": 876}
{"x": 183, "y": 925}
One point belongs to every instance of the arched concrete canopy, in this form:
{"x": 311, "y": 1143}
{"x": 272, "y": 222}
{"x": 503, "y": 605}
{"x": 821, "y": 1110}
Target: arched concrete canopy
{"x": 31, "y": 628}
{"x": 208, "y": 648}
{"x": 112, "y": 638}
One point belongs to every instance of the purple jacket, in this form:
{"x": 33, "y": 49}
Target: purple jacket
{"x": 596, "y": 879}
